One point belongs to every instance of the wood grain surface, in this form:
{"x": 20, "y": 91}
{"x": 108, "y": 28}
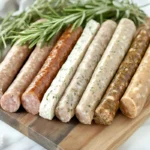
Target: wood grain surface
{"x": 55, "y": 135}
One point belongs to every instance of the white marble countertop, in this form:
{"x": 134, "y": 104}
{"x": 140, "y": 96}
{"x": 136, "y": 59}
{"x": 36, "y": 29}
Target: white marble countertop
{"x": 10, "y": 139}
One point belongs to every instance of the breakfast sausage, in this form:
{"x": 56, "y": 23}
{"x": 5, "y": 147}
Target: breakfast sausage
{"x": 65, "y": 109}
{"x": 107, "y": 109}
{"x": 11, "y": 100}
{"x": 60, "y": 83}
{"x": 33, "y": 95}
{"x": 11, "y": 65}
{"x": 137, "y": 93}
{"x": 105, "y": 70}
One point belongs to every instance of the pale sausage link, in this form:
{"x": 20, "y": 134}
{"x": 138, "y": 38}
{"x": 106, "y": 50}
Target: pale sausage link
{"x": 138, "y": 91}
{"x": 33, "y": 95}
{"x": 105, "y": 70}
{"x": 66, "y": 108}
{"x": 107, "y": 109}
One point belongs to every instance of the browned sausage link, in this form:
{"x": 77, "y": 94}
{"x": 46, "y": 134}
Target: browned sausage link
{"x": 106, "y": 111}
{"x": 12, "y": 64}
{"x": 34, "y": 93}
{"x": 10, "y": 101}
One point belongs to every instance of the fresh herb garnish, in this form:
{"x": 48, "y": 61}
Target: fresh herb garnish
{"x": 13, "y": 24}
{"x": 78, "y": 15}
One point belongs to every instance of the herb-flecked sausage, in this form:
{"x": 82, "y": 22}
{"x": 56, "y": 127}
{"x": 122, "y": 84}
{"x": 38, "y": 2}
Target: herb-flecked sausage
{"x": 33, "y": 95}
{"x": 107, "y": 109}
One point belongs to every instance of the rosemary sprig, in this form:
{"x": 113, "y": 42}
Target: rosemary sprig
{"x": 78, "y": 15}
{"x": 17, "y": 23}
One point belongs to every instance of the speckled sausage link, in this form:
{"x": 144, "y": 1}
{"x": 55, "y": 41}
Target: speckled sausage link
{"x": 11, "y": 65}
{"x": 137, "y": 93}
{"x": 64, "y": 76}
{"x": 107, "y": 109}
{"x": 11, "y": 100}
{"x": 33, "y": 95}
{"x": 66, "y": 108}
{"x": 105, "y": 70}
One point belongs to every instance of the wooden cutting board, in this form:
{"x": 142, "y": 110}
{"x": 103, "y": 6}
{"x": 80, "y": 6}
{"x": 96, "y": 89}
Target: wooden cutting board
{"x": 55, "y": 135}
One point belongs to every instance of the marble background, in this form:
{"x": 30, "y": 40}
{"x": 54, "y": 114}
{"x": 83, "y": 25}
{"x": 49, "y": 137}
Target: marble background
{"x": 10, "y": 139}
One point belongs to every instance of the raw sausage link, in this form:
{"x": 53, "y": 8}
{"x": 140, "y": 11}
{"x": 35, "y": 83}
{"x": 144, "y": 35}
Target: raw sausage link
{"x": 66, "y": 107}
{"x": 105, "y": 70}
{"x": 11, "y": 65}
{"x": 12, "y": 98}
{"x": 138, "y": 90}
{"x": 33, "y": 95}
{"x": 106, "y": 111}
{"x": 60, "y": 83}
